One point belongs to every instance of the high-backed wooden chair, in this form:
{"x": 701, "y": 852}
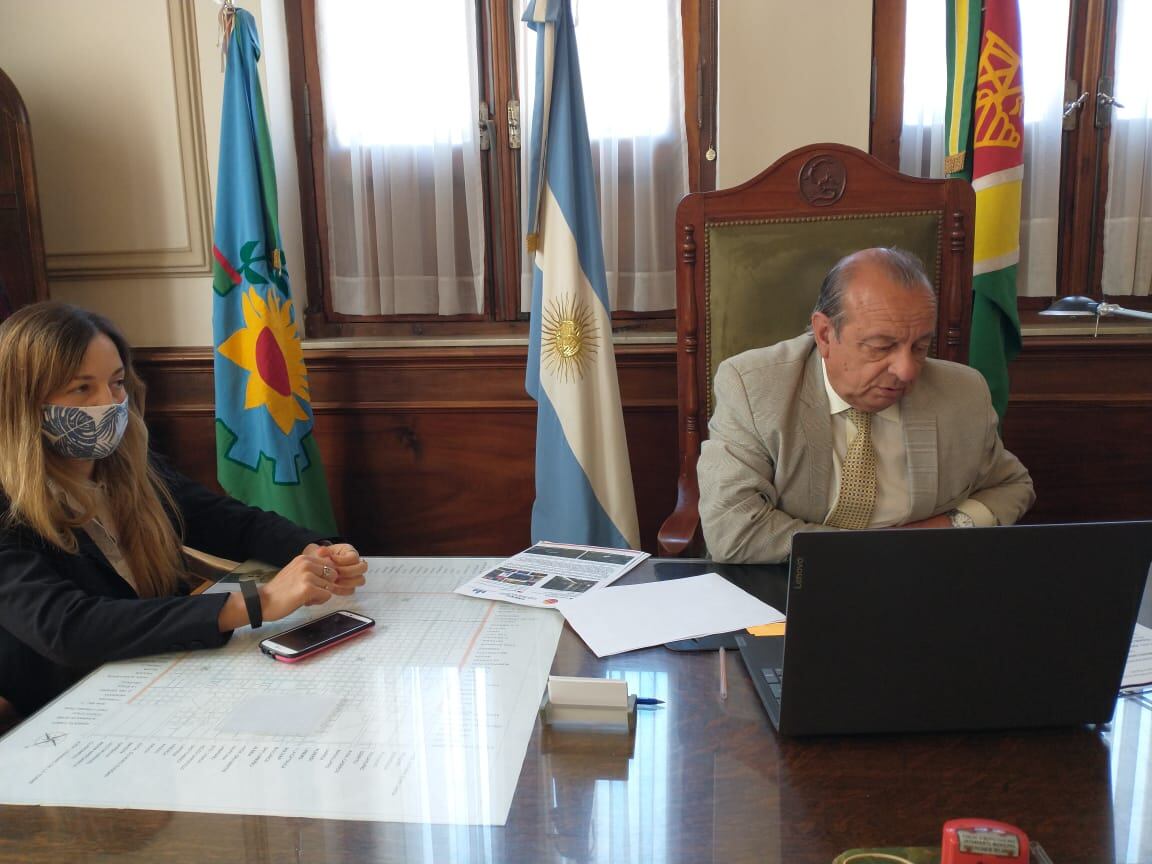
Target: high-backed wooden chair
{"x": 752, "y": 259}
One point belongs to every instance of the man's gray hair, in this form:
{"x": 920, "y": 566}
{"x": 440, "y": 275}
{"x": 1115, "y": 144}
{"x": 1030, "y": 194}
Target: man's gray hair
{"x": 902, "y": 266}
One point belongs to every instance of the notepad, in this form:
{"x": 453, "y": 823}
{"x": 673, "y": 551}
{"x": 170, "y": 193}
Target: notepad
{"x": 776, "y": 629}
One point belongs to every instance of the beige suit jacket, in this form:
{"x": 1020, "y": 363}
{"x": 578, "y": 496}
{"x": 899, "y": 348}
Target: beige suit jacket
{"x": 765, "y": 470}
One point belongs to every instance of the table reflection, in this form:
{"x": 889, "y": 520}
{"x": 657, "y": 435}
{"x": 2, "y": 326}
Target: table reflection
{"x": 1130, "y": 740}
{"x": 723, "y": 786}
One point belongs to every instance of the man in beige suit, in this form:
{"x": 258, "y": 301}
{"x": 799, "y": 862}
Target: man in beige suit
{"x": 852, "y": 425}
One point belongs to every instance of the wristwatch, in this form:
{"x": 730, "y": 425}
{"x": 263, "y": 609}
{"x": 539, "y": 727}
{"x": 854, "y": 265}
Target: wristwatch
{"x": 960, "y": 519}
{"x": 251, "y": 592}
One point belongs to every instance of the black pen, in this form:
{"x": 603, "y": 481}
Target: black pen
{"x": 648, "y": 700}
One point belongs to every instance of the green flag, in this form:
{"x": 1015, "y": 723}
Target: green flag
{"x": 266, "y": 455}
{"x": 985, "y": 139}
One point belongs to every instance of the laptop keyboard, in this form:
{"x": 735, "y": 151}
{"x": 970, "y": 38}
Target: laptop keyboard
{"x": 773, "y": 677}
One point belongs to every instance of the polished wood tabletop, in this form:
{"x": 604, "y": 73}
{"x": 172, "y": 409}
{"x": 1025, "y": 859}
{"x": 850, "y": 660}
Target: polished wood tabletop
{"x": 703, "y": 778}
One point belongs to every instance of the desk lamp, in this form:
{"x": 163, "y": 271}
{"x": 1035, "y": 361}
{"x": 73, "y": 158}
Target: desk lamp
{"x": 1078, "y": 305}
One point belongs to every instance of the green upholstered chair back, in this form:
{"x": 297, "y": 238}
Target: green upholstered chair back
{"x": 761, "y": 276}
{"x": 752, "y": 259}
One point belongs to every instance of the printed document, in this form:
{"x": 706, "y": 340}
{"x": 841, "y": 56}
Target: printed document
{"x": 1138, "y": 670}
{"x": 424, "y": 719}
{"x": 547, "y": 573}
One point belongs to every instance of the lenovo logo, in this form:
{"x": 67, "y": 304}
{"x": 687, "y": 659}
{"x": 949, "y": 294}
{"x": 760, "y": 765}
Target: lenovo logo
{"x": 797, "y": 574}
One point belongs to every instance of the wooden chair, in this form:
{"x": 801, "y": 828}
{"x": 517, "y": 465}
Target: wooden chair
{"x": 752, "y": 259}
{"x": 207, "y": 568}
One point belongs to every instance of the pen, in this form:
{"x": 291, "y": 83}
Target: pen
{"x": 723, "y": 675}
{"x": 648, "y": 700}
{"x": 1135, "y": 690}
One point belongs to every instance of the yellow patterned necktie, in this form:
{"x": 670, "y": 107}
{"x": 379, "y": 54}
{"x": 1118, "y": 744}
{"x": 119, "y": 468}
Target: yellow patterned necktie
{"x": 858, "y": 478}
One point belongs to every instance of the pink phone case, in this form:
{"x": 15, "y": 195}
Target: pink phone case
{"x": 322, "y": 648}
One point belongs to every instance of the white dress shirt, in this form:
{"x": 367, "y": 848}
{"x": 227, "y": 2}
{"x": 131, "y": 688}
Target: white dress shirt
{"x": 893, "y": 498}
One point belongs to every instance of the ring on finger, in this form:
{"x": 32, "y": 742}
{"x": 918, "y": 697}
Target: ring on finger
{"x": 326, "y": 571}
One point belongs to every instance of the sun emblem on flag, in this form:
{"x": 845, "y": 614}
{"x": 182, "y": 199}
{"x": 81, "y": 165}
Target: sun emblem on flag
{"x": 269, "y": 348}
{"x": 568, "y": 337}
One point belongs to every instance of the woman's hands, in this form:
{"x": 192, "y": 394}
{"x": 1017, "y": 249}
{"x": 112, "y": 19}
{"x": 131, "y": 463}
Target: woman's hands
{"x": 309, "y": 579}
{"x": 312, "y": 578}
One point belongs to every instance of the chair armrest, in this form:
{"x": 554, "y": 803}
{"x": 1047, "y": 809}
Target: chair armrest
{"x": 680, "y": 533}
{"x": 8, "y": 716}
{"x": 209, "y": 568}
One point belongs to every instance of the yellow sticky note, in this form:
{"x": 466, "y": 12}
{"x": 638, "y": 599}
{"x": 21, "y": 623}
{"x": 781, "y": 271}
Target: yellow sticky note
{"x": 776, "y": 629}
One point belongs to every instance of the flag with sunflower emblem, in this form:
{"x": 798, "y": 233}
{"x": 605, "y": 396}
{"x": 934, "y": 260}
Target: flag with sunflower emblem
{"x": 583, "y": 478}
{"x": 265, "y": 452}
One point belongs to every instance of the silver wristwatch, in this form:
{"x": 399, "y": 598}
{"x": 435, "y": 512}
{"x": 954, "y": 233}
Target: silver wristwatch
{"x": 960, "y": 519}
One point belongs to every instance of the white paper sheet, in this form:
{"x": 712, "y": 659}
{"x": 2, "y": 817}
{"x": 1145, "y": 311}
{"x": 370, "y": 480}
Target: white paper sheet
{"x": 425, "y": 719}
{"x": 627, "y": 617}
{"x": 1138, "y": 669}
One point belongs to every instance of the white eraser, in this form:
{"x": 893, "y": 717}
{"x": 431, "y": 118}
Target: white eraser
{"x": 598, "y": 692}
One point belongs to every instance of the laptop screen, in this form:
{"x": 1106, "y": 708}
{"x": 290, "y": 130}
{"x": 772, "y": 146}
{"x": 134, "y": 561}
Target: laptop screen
{"x": 909, "y": 630}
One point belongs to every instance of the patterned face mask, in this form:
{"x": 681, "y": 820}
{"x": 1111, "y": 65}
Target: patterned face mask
{"x": 85, "y": 433}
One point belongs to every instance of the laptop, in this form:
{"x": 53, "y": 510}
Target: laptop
{"x": 951, "y": 629}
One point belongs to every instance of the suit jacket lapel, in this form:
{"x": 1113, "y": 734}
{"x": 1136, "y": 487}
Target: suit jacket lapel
{"x": 89, "y": 549}
{"x": 817, "y": 428}
{"x": 920, "y": 444}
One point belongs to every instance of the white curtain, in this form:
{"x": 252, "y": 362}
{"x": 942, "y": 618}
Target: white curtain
{"x": 405, "y": 206}
{"x": 631, "y": 63}
{"x": 925, "y": 85}
{"x": 1128, "y": 213}
{"x": 1044, "y": 31}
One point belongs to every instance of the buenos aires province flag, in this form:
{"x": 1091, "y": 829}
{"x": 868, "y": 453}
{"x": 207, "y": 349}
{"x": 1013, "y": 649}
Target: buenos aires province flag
{"x": 583, "y": 479}
{"x": 265, "y": 452}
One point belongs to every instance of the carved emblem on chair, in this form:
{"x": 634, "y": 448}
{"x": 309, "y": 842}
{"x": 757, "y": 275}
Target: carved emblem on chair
{"x": 822, "y": 180}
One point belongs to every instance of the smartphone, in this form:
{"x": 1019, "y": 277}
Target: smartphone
{"x": 315, "y": 636}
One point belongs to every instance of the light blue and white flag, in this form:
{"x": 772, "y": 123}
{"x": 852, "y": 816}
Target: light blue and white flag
{"x": 583, "y": 478}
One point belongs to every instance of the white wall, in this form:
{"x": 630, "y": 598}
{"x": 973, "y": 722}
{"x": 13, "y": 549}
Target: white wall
{"x": 791, "y": 72}
{"x": 126, "y": 152}
{"x": 124, "y": 98}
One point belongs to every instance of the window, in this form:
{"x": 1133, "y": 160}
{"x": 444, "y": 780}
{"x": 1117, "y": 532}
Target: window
{"x": 401, "y": 157}
{"x": 412, "y": 201}
{"x": 1087, "y": 210}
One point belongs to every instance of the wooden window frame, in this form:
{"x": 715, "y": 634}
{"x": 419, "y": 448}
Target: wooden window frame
{"x": 1084, "y": 154}
{"x": 497, "y": 20}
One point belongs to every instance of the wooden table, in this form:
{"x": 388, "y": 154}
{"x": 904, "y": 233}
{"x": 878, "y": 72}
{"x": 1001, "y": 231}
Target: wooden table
{"x": 704, "y": 779}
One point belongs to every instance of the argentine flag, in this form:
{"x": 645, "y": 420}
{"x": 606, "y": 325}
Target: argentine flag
{"x": 583, "y": 478}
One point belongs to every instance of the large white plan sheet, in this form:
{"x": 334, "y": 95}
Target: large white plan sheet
{"x": 424, "y": 719}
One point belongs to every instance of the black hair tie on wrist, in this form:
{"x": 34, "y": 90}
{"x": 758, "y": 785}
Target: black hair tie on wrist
{"x": 251, "y": 592}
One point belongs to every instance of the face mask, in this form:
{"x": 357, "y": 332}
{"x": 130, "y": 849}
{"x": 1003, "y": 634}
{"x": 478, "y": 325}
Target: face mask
{"x": 85, "y": 433}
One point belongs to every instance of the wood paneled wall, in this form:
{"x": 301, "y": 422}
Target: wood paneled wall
{"x": 1080, "y": 418}
{"x": 430, "y": 451}
{"x": 427, "y": 451}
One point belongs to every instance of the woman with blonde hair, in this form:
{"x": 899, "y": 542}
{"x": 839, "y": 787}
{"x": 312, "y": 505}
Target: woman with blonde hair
{"x": 92, "y": 524}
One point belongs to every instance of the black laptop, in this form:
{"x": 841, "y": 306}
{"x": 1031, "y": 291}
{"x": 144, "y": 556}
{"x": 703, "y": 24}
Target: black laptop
{"x": 953, "y": 629}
